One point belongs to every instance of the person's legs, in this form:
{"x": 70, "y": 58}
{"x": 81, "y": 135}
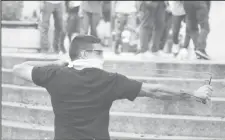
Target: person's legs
{"x": 106, "y": 11}
{"x": 121, "y": 21}
{"x": 187, "y": 40}
{"x": 146, "y": 28}
{"x": 184, "y": 54}
{"x": 167, "y": 27}
{"x": 176, "y": 31}
{"x": 199, "y": 11}
{"x": 191, "y": 21}
{"x": 203, "y": 20}
{"x": 59, "y": 33}
{"x": 158, "y": 26}
{"x": 95, "y": 18}
{"x": 86, "y": 19}
{"x": 176, "y": 28}
{"x": 46, "y": 13}
{"x": 73, "y": 22}
{"x": 145, "y": 37}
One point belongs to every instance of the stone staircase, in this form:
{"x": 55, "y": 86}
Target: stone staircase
{"x": 27, "y": 111}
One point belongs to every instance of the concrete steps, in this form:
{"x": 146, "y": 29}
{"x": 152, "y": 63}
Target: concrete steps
{"x": 39, "y": 96}
{"x": 27, "y": 111}
{"x": 21, "y": 130}
{"x": 127, "y": 122}
{"x": 129, "y": 65}
{"x": 180, "y": 83}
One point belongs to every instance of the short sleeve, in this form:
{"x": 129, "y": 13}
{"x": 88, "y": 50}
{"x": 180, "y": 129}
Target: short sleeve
{"x": 127, "y": 88}
{"x": 41, "y": 76}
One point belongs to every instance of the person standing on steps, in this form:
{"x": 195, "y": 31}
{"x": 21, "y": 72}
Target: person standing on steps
{"x": 47, "y": 9}
{"x": 178, "y": 15}
{"x": 121, "y": 20}
{"x": 197, "y": 13}
{"x": 90, "y": 13}
{"x": 82, "y": 92}
{"x": 166, "y": 37}
{"x": 152, "y": 22}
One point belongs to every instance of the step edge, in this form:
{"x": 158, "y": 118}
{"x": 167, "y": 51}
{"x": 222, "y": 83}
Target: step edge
{"x": 126, "y": 114}
{"x": 38, "y": 56}
{"x": 151, "y": 78}
{"x": 22, "y": 125}
{"x": 36, "y": 88}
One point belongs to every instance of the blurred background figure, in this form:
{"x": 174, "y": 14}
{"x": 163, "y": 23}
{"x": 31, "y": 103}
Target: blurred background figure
{"x": 124, "y": 14}
{"x": 48, "y": 8}
{"x": 104, "y": 26}
{"x": 91, "y": 13}
{"x": 178, "y": 16}
{"x": 106, "y": 11}
{"x": 166, "y": 38}
{"x": 73, "y": 19}
{"x": 197, "y": 14}
{"x": 152, "y": 22}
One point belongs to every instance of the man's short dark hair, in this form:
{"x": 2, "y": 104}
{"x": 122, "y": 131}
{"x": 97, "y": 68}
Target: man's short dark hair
{"x": 81, "y": 43}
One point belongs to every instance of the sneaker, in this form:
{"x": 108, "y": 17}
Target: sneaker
{"x": 201, "y": 54}
{"x": 183, "y": 54}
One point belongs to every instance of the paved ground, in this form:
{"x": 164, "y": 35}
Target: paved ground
{"x": 215, "y": 48}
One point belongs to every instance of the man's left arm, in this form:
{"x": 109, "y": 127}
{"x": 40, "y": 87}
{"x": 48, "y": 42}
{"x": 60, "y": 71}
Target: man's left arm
{"x": 25, "y": 69}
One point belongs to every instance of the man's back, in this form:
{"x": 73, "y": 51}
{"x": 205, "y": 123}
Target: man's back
{"x": 81, "y": 99}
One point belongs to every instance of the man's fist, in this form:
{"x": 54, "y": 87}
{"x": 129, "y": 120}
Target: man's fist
{"x": 204, "y": 92}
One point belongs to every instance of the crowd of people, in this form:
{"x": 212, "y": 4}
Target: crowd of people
{"x": 134, "y": 24}
{"x": 158, "y": 18}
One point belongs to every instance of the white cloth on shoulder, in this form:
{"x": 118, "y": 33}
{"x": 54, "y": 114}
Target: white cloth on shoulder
{"x": 86, "y": 63}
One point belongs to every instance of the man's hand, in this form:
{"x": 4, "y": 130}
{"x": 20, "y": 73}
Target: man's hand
{"x": 204, "y": 92}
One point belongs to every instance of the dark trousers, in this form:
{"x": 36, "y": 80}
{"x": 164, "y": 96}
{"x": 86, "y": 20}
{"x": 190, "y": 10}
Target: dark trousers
{"x": 152, "y": 20}
{"x": 167, "y": 27}
{"x": 73, "y": 22}
{"x": 177, "y": 20}
{"x": 56, "y": 10}
{"x": 90, "y": 20}
{"x": 106, "y": 11}
{"x": 197, "y": 13}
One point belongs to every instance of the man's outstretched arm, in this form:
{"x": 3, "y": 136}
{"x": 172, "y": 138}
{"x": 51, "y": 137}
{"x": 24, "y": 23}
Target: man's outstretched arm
{"x": 127, "y": 88}
{"x": 164, "y": 92}
{"x": 25, "y": 69}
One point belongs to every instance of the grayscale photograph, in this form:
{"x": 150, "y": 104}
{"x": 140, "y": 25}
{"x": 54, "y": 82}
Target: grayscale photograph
{"x": 113, "y": 70}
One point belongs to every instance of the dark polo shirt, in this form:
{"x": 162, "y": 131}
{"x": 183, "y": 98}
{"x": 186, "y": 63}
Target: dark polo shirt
{"x": 81, "y": 99}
